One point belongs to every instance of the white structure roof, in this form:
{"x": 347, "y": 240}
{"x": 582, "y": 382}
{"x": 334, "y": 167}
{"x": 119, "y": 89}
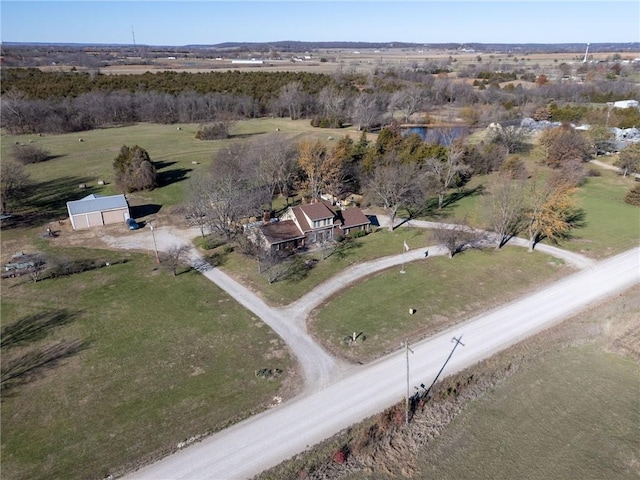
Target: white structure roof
{"x": 96, "y": 203}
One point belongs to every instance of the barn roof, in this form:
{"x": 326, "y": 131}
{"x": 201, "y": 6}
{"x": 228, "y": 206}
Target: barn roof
{"x": 97, "y": 203}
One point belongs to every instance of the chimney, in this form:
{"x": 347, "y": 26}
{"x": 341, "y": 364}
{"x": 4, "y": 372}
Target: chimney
{"x": 266, "y": 216}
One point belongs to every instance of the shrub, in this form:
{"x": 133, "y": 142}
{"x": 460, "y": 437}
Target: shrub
{"x": 633, "y": 197}
{"x": 26, "y": 154}
{"x": 213, "y": 131}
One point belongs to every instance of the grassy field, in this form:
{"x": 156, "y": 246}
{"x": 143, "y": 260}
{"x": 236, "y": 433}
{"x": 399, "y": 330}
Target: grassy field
{"x": 575, "y": 415}
{"x": 174, "y": 150}
{"x": 164, "y": 359}
{"x": 562, "y": 404}
{"x": 443, "y": 292}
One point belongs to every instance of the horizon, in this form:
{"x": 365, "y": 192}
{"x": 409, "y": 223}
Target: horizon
{"x": 212, "y": 22}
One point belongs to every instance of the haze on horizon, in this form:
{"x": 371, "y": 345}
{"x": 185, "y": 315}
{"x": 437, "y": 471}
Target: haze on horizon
{"x": 173, "y": 23}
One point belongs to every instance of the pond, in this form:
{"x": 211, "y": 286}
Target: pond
{"x": 441, "y": 135}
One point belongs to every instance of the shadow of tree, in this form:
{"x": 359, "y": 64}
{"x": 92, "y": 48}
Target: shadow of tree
{"x": 431, "y": 209}
{"x": 138, "y": 211}
{"x": 30, "y": 365}
{"x": 172, "y": 176}
{"x": 33, "y": 327}
{"x": 48, "y": 200}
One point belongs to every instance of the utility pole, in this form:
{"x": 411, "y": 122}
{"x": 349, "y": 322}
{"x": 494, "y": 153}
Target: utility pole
{"x": 155, "y": 247}
{"x": 406, "y": 403}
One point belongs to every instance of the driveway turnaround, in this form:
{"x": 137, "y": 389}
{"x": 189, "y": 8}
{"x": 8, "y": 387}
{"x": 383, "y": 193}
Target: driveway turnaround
{"x": 260, "y": 442}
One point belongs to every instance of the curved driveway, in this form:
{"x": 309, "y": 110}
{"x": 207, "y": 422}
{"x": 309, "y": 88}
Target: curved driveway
{"x": 260, "y": 442}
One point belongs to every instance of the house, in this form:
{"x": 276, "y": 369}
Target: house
{"x": 97, "y": 210}
{"x": 305, "y": 225}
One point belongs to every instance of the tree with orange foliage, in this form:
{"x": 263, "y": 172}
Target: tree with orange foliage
{"x": 321, "y": 171}
{"x": 550, "y": 211}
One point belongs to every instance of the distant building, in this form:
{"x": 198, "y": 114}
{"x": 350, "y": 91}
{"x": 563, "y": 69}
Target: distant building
{"x": 247, "y": 62}
{"x": 626, "y": 104}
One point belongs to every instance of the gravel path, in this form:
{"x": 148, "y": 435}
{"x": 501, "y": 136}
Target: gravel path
{"x": 319, "y": 368}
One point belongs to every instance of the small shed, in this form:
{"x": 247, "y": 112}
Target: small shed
{"x": 97, "y": 210}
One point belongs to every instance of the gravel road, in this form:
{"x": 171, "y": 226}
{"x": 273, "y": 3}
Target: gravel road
{"x": 262, "y": 441}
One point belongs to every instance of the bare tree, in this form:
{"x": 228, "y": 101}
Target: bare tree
{"x": 504, "y": 207}
{"x": 197, "y": 205}
{"x": 275, "y": 157}
{"x": 14, "y": 182}
{"x": 366, "y": 110}
{"x": 445, "y": 172}
{"x": 293, "y": 98}
{"x": 394, "y": 185}
{"x": 175, "y": 257}
{"x": 513, "y": 138}
{"x": 332, "y": 101}
{"x": 455, "y": 237}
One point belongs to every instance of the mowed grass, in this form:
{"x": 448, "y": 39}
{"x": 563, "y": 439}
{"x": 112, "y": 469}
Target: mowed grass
{"x": 377, "y": 244}
{"x": 612, "y": 225}
{"x": 174, "y": 148}
{"x": 574, "y": 415}
{"x": 167, "y": 358}
{"x": 443, "y": 291}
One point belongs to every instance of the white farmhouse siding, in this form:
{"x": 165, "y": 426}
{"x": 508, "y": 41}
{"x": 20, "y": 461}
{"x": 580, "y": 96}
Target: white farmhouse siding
{"x": 95, "y": 211}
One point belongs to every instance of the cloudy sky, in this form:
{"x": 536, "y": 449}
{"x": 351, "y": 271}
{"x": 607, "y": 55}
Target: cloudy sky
{"x": 422, "y": 21}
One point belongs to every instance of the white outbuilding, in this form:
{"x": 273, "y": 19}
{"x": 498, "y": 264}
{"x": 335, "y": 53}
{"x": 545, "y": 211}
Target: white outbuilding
{"x": 97, "y": 210}
{"x": 626, "y": 104}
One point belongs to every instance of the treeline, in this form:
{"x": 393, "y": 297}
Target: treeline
{"x": 36, "y": 84}
{"x": 58, "y": 102}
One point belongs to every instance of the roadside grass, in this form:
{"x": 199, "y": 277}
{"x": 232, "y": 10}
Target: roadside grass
{"x": 442, "y": 291}
{"x": 165, "y": 359}
{"x": 561, "y": 404}
{"x": 574, "y": 415}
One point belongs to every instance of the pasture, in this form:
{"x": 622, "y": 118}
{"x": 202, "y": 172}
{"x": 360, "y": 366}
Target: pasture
{"x": 163, "y": 359}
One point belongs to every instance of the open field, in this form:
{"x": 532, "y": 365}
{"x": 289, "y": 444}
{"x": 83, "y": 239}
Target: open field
{"x": 443, "y": 292}
{"x": 164, "y": 359}
{"x": 164, "y": 352}
{"x": 562, "y": 404}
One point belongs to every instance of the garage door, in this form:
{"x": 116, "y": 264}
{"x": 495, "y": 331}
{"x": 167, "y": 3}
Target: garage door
{"x": 113, "y": 216}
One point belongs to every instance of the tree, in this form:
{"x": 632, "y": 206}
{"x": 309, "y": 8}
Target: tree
{"x": 445, "y": 172}
{"x": 174, "y": 257}
{"x": 563, "y": 144}
{"x": 320, "y": 170}
{"x": 550, "y": 211}
{"x": 455, "y": 237}
{"x": 512, "y": 138}
{"x": 196, "y": 206}
{"x": 275, "y": 158}
{"x": 235, "y": 190}
{"x": 293, "y": 98}
{"x": 503, "y": 207}
{"x": 365, "y": 111}
{"x": 394, "y": 185}
{"x": 629, "y": 159}
{"x": 14, "y": 182}
{"x": 134, "y": 170}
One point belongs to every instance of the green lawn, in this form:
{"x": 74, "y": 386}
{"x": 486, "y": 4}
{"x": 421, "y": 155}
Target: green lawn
{"x": 378, "y": 244}
{"x": 166, "y": 358}
{"x": 443, "y": 291}
{"x": 574, "y": 415}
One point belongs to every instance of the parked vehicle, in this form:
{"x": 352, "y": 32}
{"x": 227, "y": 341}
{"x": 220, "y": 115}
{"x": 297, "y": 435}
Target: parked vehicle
{"x": 132, "y": 224}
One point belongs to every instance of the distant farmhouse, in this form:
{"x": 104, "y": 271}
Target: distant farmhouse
{"x": 97, "y": 210}
{"x": 306, "y": 225}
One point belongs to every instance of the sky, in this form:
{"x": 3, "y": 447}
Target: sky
{"x": 175, "y": 23}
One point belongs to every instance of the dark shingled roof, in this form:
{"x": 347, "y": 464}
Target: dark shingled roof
{"x": 278, "y": 232}
{"x": 351, "y": 217}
